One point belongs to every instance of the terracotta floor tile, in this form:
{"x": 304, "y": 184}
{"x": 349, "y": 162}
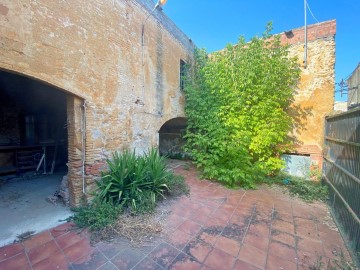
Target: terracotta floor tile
{"x": 309, "y": 245}
{"x": 241, "y": 265}
{"x": 219, "y": 260}
{"x": 112, "y": 249}
{"x": 179, "y": 239}
{"x": 204, "y": 231}
{"x": 184, "y": 262}
{"x": 62, "y": 229}
{"x": 42, "y": 252}
{"x": 244, "y": 210}
{"x": 240, "y": 220}
{"x": 174, "y": 221}
{"x": 276, "y": 263}
{"x": 205, "y": 210}
{"x": 283, "y": 251}
{"x": 90, "y": 261}
{"x": 215, "y": 222}
{"x": 190, "y": 227}
{"x": 228, "y": 245}
{"x": 282, "y": 237}
{"x": 185, "y": 211}
{"x": 260, "y": 230}
{"x": 306, "y": 232}
{"x": 198, "y": 249}
{"x": 235, "y": 197}
{"x": 78, "y": 250}
{"x": 209, "y": 236}
{"x": 264, "y": 208}
{"x": 261, "y": 217}
{"x": 331, "y": 237}
{"x": 164, "y": 254}
{"x": 283, "y": 207}
{"x": 17, "y": 262}
{"x": 258, "y": 242}
{"x": 220, "y": 215}
{"x": 302, "y": 211}
{"x": 333, "y": 250}
{"x": 227, "y": 208}
{"x": 147, "y": 264}
{"x": 307, "y": 259}
{"x": 55, "y": 261}
{"x": 215, "y": 203}
{"x": 37, "y": 240}
{"x": 69, "y": 239}
{"x": 301, "y": 222}
{"x": 235, "y": 232}
{"x": 284, "y": 216}
{"x": 127, "y": 259}
{"x": 283, "y": 226}
{"x": 8, "y": 251}
{"x": 199, "y": 218}
{"x": 253, "y": 256}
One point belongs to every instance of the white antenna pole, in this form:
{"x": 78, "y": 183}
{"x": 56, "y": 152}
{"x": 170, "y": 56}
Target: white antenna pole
{"x": 305, "y": 32}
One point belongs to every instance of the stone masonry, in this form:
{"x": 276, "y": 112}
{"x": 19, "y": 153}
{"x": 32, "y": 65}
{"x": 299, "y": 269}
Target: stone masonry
{"x": 122, "y": 86}
{"x": 120, "y": 90}
{"x": 315, "y": 94}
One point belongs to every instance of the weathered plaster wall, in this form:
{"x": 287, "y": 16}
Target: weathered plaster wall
{"x": 315, "y": 94}
{"x": 92, "y": 50}
{"x": 354, "y": 88}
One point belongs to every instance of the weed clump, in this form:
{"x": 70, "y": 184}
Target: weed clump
{"x": 130, "y": 188}
{"x": 303, "y": 187}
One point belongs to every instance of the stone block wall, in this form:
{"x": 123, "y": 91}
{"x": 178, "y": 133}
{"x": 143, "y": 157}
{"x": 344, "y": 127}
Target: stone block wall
{"x": 120, "y": 90}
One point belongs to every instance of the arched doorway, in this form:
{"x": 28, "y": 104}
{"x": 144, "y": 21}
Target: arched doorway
{"x": 33, "y": 155}
{"x": 171, "y": 138}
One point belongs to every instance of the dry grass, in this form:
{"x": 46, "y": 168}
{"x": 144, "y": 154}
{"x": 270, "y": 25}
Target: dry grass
{"x": 138, "y": 229}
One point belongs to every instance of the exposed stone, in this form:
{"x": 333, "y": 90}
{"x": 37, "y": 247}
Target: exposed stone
{"x": 64, "y": 190}
{"x": 315, "y": 94}
{"x": 120, "y": 91}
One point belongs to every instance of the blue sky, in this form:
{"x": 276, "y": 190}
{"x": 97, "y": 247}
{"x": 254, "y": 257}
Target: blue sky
{"x": 213, "y": 24}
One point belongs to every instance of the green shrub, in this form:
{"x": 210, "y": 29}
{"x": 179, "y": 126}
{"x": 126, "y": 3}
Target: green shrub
{"x": 137, "y": 181}
{"x": 238, "y": 104}
{"x": 96, "y": 215}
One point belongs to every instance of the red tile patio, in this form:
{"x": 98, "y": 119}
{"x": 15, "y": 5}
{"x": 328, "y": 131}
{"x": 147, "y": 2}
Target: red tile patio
{"x": 213, "y": 228}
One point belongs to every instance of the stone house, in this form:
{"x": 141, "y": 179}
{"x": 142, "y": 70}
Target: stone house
{"x": 86, "y": 78}
{"x": 81, "y": 80}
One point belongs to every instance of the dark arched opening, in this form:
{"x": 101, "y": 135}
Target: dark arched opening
{"x": 33, "y": 155}
{"x": 171, "y": 138}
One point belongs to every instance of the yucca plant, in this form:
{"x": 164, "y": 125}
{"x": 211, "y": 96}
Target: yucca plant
{"x": 134, "y": 181}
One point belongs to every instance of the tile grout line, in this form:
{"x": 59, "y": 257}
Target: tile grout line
{"x": 295, "y": 236}
{"x": 271, "y": 221}
{"x": 147, "y": 254}
{"x": 26, "y": 252}
{"x": 211, "y": 245}
{"x": 9, "y": 245}
{"x": 246, "y": 230}
{"x": 108, "y": 260}
{"x": 61, "y": 250}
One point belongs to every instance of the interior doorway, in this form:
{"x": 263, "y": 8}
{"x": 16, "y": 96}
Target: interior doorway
{"x": 33, "y": 156}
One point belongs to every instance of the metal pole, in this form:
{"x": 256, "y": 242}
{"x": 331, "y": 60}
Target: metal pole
{"x": 305, "y": 45}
